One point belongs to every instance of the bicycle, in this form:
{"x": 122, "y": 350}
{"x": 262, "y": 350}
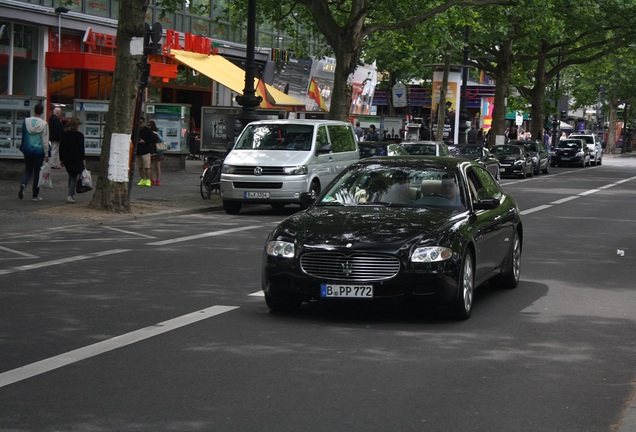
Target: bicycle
{"x": 211, "y": 176}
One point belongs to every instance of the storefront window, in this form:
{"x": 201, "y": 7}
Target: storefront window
{"x": 61, "y": 87}
{"x": 5, "y": 43}
{"x": 25, "y": 56}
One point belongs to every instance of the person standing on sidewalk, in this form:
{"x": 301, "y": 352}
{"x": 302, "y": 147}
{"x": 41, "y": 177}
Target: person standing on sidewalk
{"x": 72, "y": 156}
{"x": 145, "y": 147}
{"x": 55, "y": 135}
{"x": 156, "y": 157}
{"x": 35, "y": 147}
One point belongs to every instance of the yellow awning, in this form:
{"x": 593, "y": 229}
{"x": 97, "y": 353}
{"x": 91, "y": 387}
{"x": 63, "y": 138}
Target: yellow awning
{"x": 226, "y": 73}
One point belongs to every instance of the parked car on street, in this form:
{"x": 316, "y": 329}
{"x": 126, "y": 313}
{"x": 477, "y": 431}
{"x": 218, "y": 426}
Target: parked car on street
{"x": 478, "y": 153}
{"x": 274, "y": 161}
{"x": 571, "y": 151}
{"x": 594, "y": 144}
{"x": 514, "y": 160}
{"x": 428, "y": 228}
{"x": 380, "y": 148}
{"x": 426, "y": 148}
{"x": 539, "y": 153}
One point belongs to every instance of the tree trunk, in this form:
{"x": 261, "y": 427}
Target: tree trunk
{"x": 441, "y": 106}
{"x": 109, "y": 195}
{"x": 502, "y": 78}
{"x": 611, "y": 131}
{"x": 537, "y": 101}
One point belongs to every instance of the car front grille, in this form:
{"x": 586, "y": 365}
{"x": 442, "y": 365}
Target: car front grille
{"x": 356, "y": 267}
{"x": 263, "y": 170}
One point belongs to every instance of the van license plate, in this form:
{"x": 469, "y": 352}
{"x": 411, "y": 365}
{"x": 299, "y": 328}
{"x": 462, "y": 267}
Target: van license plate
{"x": 346, "y": 291}
{"x": 256, "y": 195}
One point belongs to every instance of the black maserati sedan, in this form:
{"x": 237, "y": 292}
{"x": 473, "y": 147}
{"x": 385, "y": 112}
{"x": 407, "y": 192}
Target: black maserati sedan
{"x": 571, "y": 151}
{"x": 400, "y": 227}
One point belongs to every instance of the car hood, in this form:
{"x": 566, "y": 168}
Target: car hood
{"x": 507, "y": 158}
{"x": 365, "y": 228}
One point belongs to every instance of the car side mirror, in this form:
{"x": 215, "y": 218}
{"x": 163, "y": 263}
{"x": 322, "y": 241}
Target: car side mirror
{"x": 324, "y": 148}
{"x": 486, "y": 204}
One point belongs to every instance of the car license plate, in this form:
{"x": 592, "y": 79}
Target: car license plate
{"x": 565, "y": 158}
{"x": 346, "y": 291}
{"x": 256, "y": 195}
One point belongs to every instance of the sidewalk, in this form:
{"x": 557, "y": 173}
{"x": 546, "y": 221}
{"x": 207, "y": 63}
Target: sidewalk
{"x": 178, "y": 194}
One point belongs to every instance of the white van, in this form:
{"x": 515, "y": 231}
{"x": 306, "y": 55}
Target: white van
{"x": 274, "y": 161}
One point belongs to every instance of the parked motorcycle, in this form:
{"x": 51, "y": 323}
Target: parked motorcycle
{"x": 211, "y": 176}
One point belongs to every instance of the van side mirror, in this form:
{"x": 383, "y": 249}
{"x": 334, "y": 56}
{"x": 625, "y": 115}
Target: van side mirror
{"x": 323, "y": 148}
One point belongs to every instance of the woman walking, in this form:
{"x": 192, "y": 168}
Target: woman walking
{"x": 156, "y": 156}
{"x": 72, "y": 156}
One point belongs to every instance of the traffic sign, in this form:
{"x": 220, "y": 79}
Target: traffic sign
{"x": 399, "y": 95}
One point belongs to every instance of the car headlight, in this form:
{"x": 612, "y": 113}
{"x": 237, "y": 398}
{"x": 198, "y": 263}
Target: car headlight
{"x": 431, "y": 254}
{"x": 580, "y": 154}
{"x": 296, "y": 170}
{"x": 228, "y": 169}
{"x": 519, "y": 162}
{"x": 280, "y": 249}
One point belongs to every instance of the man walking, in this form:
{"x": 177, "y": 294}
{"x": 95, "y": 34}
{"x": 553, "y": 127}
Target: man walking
{"x": 55, "y": 135}
{"x": 145, "y": 147}
{"x": 35, "y": 147}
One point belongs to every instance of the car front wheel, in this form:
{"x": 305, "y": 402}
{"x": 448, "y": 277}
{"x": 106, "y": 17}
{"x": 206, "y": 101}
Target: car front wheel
{"x": 282, "y": 304}
{"x": 509, "y": 277}
{"x": 232, "y": 207}
{"x": 466, "y": 287}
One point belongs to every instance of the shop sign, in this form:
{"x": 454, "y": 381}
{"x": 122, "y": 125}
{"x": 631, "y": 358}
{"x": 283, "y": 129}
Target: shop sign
{"x": 191, "y": 42}
{"x": 93, "y": 40}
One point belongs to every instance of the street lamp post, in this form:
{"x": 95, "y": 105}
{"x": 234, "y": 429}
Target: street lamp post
{"x": 59, "y": 11}
{"x": 249, "y": 101}
{"x": 464, "y": 117}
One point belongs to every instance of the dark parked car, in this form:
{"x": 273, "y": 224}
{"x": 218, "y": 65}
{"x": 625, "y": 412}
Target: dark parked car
{"x": 426, "y": 148}
{"x": 571, "y": 151}
{"x": 430, "y": 228}
{"x": 514, "y": 160}
{"x": 480, "y": 154}
{"x": 539, "y": 153}
{"x": 379, "y": 148}
{"x": 594, "y": 144}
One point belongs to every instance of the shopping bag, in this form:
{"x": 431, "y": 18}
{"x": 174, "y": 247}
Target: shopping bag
{"x": 87, "y": 180}
{"x": 80, "y": 188}
{"x": 45, "y": 181}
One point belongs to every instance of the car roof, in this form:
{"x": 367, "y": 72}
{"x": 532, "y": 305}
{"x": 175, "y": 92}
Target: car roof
{"x": 423, "y": 142}
{"x": 418, "y": 161}
{"x": 312, "y": 122}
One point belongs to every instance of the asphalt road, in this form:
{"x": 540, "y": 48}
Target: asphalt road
{"x": 159, "y": 325}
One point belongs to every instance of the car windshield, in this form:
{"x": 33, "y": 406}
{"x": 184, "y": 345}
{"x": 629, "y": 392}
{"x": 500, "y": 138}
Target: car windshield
{"x": 506, "y": 150}
{"x": 472, "y": 151}
{"x": 421, "y": 149}
{"x": 276, "y": 137}
{"x": 397, "y": 186}
{"x": 531, "y": 147}
{"x": 565, "y": 144}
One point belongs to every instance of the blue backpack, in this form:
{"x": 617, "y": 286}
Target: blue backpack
{"x": 31, "y": 143}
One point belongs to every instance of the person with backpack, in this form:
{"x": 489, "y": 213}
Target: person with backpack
{"x": 35, "y": 147}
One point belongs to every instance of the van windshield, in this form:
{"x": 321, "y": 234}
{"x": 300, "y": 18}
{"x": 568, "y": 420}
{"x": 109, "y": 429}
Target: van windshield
{"x": 276, "y": 137}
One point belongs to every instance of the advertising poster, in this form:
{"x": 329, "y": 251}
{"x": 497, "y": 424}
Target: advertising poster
{"x": 172, "y": 122}
{"x": 451, "y": 110}
{"x": 217, "y": 128}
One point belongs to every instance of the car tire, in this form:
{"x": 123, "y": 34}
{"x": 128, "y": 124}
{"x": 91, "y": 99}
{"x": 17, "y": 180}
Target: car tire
{"x": 282, "y": 304}
{"x": 546, "y": 170}
{"x": 463, "y": 306}
{"x": 232, "y": 207}
{"x": 509, "y": 277}
{"x": 313, "y": 188}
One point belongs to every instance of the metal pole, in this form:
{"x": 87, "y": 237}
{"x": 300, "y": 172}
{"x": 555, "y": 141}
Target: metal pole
{"x": 59, "y": 32}
{"x": 249, "y": 101}
{"x": 464, "y": 117}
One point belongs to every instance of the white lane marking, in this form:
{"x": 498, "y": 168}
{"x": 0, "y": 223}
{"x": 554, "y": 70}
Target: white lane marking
{"x": 258, "y": 294}
{"x": 625, "y": 180}
{"x": 199, "y": 236}
{"x": 62, "y": 261}
{"x": 608, "y": 186}
{"x": 129, "y": 232}
{"x": 79, "y": 354}
{"x": 566, "y": 199}
{"x": 589, "y": 192}
{"x": 17, "y": 252}
{"x": 535, "y": 209}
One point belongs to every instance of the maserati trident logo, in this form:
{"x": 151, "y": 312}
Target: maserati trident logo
{"x": 347, "y": 268}
{"x": 258, "y": 170}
